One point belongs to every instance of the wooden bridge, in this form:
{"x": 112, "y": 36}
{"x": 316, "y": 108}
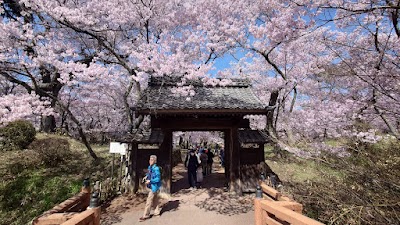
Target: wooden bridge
{"x": 77, "y": 210}
{"x": 186, "y": 207}
{"x": 273, "y": 208}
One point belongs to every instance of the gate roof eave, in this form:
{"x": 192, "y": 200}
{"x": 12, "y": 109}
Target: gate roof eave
{"x": 247, "y": 136}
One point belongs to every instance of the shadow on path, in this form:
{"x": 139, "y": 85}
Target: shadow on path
{"x": 111, "y": 211}
{"x": 216, "y": 198}
{"x": 211, "y": 201}
{"x": 226, "y": 203}
{"x": 170, "y": 206}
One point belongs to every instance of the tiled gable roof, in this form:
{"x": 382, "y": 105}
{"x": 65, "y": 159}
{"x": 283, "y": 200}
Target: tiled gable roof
{"x": 252, "y": 137}
{"x": 172, "y": 81}
{"x": 236, "y": 96}
{"x": 153, "y": 136}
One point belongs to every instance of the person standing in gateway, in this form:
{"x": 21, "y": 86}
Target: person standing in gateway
{"x": 192, "y": 163}
{"x": 153, "y": 182}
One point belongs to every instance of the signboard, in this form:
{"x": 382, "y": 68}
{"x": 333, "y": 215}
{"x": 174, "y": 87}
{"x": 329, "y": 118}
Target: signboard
{"x": 250, "y": 145}
{"x": 117, "y": 147}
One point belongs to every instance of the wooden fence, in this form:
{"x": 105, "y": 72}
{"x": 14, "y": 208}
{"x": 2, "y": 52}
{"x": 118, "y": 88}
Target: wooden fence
{"x": 73, "y": 211}
{"x": 275, "y": 209}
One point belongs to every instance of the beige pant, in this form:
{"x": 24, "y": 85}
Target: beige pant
{"x": 153, "y": 199}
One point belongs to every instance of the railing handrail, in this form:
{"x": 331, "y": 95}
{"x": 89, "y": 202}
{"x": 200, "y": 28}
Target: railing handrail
{"x": 73, "y": 211}
{"x": 90, "y": 216}
{"x": 276, "y": 209}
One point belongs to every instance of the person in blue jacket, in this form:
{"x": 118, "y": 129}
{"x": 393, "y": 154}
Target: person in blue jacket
{"x": 153, "y": 182}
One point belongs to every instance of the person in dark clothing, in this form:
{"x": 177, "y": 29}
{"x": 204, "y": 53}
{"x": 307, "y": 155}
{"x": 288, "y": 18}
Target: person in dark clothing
{"x": 203, "y": 161}
{"x": 222, "y": 157}
{"x": 210, "y": 161}
{"x": 192, "y": 163}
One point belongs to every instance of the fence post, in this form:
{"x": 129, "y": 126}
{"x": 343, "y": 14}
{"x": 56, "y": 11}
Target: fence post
{"x": 86, "y": 189}
{"x": 86, "y": 186}
{"x": 94, "y": 205}
{"x": 97, "y": 212}
{"x": 258, "y": 211}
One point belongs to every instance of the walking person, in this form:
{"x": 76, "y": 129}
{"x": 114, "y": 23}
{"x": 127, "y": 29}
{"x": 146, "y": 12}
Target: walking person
{"x": 210, "y": 161}
{"x": 203, "y": 160}
{"x": 222, "y": 157}
{"x": 153, "y": 182}
{"x": 192, "y": 163}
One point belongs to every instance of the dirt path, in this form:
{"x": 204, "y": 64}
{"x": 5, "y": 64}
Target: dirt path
{"x": 208, "y": 205}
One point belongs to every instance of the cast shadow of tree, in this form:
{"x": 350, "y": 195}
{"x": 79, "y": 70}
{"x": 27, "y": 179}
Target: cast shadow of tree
{"x": 226, "y": 203}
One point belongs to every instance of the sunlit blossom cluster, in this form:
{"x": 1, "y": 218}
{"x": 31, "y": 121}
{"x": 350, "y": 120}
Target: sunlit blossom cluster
{"x": 23, "y": 106}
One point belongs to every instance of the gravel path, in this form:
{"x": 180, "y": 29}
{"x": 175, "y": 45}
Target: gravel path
{"x": 208, "y": 205}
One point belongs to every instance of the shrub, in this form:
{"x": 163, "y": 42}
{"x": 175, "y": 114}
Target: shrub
{"x": 17, "y": 135}
{"x": 52, "y": 151}
{"x": 368, "y": 193}
{"x": 23, "y": 160}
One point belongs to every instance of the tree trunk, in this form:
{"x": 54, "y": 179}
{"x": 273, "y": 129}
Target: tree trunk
{"x": 80, "y": 130}
{"x": 48, "y": 124}
{"x": 289, "y": 131}
{"x": 86, "y": 143}
{"x": 270, "y": 115}
{"x": 392, "y": 129}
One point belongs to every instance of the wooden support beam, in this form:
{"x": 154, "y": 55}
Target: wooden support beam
{"x": 235, "y": 185}
{"x": 258, "y": 212}
{"x": 134, "y": 181}
{"x": 97, "y": 213}
{"x": 227, "y": 155}
{"x": 288, "y": 215}
{"x": 270, "y": 221}
{"x": 270, "y": 191}
{"x": 294, "y": 206}
{"x": 166, "y": 151}
{"x": 199, "y": 123}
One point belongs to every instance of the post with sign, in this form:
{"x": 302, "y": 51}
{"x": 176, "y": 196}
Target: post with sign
{"x": 117, "y": 148}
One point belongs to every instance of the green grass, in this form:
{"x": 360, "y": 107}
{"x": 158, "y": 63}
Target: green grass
{"x": 28, "y": 191}
{"x": 302, "y": 171}
{"x": 268, "y": 151}
{"x": 335, "y": 142}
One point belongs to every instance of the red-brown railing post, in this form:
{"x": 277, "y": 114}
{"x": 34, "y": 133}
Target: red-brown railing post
{"x": 258, "y": 211}
{"x": 94, "y": 201}
{"x": 86, "y": 189}
{"x": 97, "y": 212}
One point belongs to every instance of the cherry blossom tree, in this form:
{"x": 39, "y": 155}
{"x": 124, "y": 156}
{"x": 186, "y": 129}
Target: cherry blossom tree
{"x": 365, "y": 45}
{"x": 280, "y": 52}
{"x": 317, "y": 72}
{"x": 322, "y": 67}
{"x": 193, "y": 138}
{"x": 53, "y": 47}
{"x": 32, "y": 55}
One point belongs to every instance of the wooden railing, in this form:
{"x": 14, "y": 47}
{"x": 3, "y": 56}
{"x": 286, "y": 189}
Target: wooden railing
{"x": 73, "y": 211}
{"x": 276, "y": 209}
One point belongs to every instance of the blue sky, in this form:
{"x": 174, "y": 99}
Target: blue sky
{"x": 222, "y": 63}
